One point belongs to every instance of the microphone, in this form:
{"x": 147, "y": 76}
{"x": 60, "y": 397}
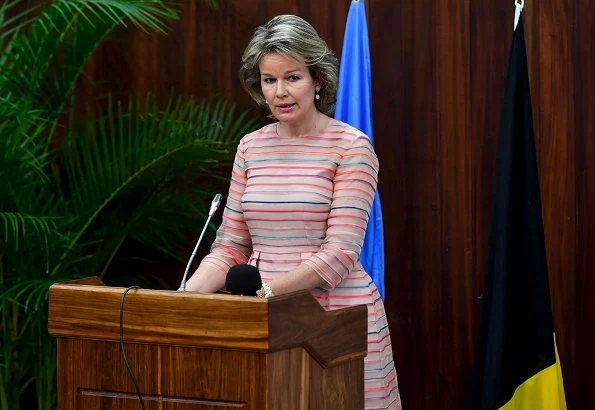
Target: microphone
{"x": 214, "y": 206}
{"x": 243, "y": 280}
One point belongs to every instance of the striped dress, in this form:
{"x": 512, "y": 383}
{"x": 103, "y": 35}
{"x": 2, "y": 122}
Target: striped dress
{"x": 307, "y": 200}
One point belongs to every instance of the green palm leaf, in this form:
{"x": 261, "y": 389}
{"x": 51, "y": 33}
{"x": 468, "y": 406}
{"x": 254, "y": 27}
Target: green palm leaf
{"x": 136, "y": 166}
{"x": 137, "y": 174}
{"x": 43, "y": 63}
{"x": 11, "y": 25}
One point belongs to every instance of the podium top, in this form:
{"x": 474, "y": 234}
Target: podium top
{"x": 87, "y": 309}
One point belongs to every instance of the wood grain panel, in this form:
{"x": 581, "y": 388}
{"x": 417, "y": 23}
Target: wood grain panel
{"x": 549, "y": 45}
{"x": 289, "y": 368}
{"x": 92, "y": 399}
{"x": 456, "y": 189}
{"x": 219, "y": 321}
{"x": 334, "y": 337}
{"x": 93, "y": 375}
{"x": 186, "y": 378}
{"x": 334, "y": 384}
{"x": 489, "y": 50}
{"x": 438, "y": 75}
{"x": 323, "y": 388}
{"x": 405, "y": 87}
{"x": 392, "y": 44}
{"x": 159, "y": 317}
{"x": 580, "y": 372}
{"x": 277, "y": 7}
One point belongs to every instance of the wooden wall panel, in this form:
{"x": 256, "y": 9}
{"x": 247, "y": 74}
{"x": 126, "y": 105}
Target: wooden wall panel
{"x": 404, "y": 91}
{"x": 490, "y": 40}
{"x": 579, "y": 343}
{"x": 489, "y": 49}
{"x": 457, "y": 162}
{"x": 201, "y": 55}
{"x": 549, "y": 50}
{"x": 438, "y": 78}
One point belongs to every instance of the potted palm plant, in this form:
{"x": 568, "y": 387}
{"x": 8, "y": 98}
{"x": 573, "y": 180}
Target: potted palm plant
{"x": 75, "y": 192}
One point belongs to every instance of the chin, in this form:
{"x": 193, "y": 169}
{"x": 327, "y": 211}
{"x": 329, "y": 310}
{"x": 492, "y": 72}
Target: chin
{"x": 288, "y": 117}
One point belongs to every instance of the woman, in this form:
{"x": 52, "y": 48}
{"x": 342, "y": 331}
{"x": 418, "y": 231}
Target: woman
{"x": 301, "y": 192}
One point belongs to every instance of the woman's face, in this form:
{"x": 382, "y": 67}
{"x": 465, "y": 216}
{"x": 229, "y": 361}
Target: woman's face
{"x": 288, "y": 87}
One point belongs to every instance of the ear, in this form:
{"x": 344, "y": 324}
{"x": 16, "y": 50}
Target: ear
{"x": 317, "y": 84}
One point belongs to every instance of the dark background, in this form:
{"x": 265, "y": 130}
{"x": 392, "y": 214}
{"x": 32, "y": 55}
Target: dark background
{"x": 438, "y": 77}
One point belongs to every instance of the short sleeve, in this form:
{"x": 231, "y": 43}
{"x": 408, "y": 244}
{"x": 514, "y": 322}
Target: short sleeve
{"x": 354, "y": 187}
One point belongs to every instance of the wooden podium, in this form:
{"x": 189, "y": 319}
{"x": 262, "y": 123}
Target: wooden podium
{"x": 205, "y": 352}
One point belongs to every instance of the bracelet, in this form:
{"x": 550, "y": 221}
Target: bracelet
{"x": 265, "y": 291}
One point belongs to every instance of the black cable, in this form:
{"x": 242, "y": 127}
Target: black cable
{"x": 140, "y": 396}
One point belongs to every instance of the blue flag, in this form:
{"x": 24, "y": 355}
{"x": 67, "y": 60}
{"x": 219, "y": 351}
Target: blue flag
{"x": 354, "y": 106}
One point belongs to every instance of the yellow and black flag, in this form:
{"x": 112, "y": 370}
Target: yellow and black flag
{"x": 517, "y": 365}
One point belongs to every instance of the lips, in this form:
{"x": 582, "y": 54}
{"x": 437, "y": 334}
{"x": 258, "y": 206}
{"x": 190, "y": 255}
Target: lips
{"x": 285, "y": 108}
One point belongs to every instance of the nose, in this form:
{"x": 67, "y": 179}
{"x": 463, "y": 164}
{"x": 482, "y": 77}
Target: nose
{"x": 281, "y": 90}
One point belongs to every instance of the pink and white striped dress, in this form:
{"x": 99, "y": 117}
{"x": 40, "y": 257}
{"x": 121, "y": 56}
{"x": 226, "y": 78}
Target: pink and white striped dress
{"x": 307, "y": 200}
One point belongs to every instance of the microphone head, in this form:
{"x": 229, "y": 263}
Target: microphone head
{"x": 243, "y": 279}
{"x": 215, "y": 204}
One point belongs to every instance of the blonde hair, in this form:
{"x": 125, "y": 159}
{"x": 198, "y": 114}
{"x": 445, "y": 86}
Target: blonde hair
{"x": 293, "y": 37}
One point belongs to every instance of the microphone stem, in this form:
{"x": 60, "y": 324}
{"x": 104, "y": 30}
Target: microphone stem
{"x": 183, "y": 284}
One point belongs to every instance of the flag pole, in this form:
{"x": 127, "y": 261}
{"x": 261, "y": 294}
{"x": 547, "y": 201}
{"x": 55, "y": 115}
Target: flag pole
{"x": 519, "y": 4}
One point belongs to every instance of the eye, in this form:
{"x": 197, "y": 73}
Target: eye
{"x": 294, "y": 78}
{"x": 268, "y": 80}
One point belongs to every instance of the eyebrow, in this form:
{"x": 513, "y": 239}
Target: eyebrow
{"x": 297, "y": 70}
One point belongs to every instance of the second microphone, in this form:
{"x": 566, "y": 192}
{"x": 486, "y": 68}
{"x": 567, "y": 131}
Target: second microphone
{"x": 243, "y": 280}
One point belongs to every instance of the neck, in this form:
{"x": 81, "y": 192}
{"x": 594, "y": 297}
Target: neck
{"x": 316, "y": 122}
